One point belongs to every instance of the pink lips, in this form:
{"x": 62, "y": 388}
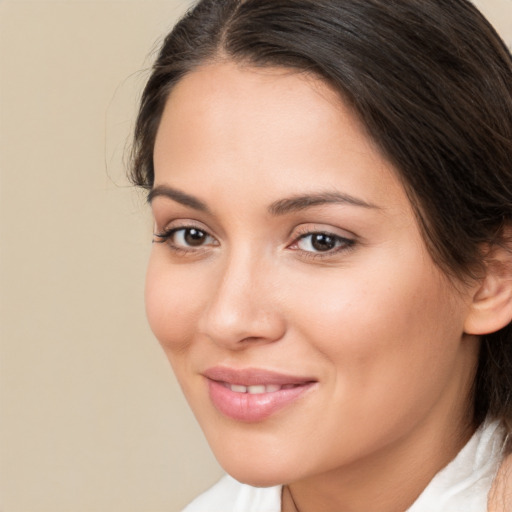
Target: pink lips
{"x": 265, "y": 392}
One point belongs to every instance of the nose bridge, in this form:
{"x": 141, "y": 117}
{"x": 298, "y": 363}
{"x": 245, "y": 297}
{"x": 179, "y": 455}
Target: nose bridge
{"x": 242, "y": 305}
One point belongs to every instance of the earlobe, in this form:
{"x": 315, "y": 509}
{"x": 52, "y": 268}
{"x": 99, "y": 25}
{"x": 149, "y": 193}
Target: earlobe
{"x": 491, "y": 307}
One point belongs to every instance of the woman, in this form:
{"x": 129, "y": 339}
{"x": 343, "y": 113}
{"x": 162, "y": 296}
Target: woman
{"x": 331, "y": 279}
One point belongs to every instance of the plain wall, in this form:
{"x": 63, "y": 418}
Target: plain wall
{"x": 92, "y": 419}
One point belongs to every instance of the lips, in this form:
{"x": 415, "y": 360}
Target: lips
{"x": 258, "y": 389}
{"x": 252, "y": 395}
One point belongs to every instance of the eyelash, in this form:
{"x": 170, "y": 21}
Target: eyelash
{"x": 165, "y": 237}
{"x": 344, "y": 244}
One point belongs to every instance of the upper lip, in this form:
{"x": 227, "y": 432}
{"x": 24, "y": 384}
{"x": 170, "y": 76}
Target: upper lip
{"x": 253, "y": 376}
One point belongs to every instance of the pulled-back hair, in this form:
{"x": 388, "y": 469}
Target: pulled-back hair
{"x": 431, "y": 82}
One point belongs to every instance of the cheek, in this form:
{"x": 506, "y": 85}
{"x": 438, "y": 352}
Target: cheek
{"x": 173, "y": 302}
{"x": 389, "y": 348}
{"x": 381, "y": 325}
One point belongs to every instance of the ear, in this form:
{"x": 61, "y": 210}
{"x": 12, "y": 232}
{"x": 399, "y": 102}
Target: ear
{"x": 491, "y": 306}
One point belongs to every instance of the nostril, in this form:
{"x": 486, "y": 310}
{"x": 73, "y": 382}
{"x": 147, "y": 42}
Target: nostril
{"x": 237, "y": 332}
{"x": 250, "y": 339}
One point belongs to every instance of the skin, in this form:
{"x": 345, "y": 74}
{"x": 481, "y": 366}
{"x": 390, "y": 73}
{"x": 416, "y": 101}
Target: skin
{"x": 374, "y": 321}
{"x": 500, "y": 496}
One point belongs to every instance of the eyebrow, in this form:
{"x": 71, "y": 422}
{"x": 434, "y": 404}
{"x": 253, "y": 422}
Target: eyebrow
{"x": 280, "y": 207}
{"x": 178, "y": 196}
{"x": 302, "y": 202}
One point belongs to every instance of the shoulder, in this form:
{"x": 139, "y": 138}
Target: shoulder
{"x": 229, "y": 495}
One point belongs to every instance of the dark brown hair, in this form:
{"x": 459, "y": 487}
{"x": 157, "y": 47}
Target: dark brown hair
{"x": 432, "y": 83}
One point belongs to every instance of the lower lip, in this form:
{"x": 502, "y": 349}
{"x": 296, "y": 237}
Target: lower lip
{"x": 252, "y": 407}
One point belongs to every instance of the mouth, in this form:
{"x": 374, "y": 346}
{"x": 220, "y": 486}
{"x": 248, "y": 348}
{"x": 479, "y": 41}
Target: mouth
{"x": 253, "y": 395}
{"x": 258, "y": 389}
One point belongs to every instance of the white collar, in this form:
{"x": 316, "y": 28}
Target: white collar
{"x": 464, "y": 484}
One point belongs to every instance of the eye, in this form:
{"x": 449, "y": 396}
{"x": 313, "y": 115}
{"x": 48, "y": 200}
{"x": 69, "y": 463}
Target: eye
{"x": 190, "y": 237}
{"x": 185, "y": 238}
{"x": 322, "y": 243}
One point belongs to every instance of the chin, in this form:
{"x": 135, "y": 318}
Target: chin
{"x": 257, "y": 478}
{"x": 256, "y": 472}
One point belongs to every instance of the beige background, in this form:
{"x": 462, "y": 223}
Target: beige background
{"x": 91, "y": 417}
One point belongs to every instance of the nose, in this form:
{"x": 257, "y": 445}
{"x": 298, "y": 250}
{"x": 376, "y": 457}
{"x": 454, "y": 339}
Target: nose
{"x": 243, "y": 306}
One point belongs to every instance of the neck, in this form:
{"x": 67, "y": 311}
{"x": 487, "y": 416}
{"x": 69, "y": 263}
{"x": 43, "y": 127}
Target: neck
{"x": 387, "y": 481}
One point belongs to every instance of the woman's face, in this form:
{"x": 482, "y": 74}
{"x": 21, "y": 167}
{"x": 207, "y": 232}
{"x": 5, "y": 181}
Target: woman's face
{"x": 289, "y": 284}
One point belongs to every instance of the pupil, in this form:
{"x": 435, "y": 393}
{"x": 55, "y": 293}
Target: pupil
{"x": 194, "y": 237}
{"x": 323, "y": 242}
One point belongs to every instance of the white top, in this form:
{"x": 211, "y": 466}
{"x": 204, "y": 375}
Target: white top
{"x": 462, "y": 486}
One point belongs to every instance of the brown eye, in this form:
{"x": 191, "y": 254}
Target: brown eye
{"x": 185, "y": 238}
{"x": 322, "y": 242}
{"x": 193, "y": 237}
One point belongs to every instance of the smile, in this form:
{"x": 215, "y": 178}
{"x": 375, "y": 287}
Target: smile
{"x": 253, "y": 395}
{"x": 258, "y": 389}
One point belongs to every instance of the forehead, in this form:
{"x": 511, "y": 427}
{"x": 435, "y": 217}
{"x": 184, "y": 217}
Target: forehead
{"x": 257, "y": 99}
{"x": 273, "y": 127}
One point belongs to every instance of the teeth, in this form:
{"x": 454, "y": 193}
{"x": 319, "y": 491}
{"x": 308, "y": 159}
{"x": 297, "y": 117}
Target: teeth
{"x": 256, "y": 390}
